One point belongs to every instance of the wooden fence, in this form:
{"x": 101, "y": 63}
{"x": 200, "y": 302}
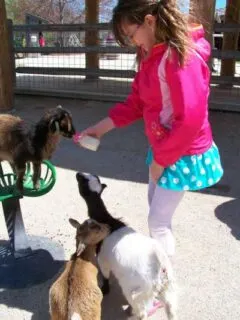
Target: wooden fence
{"x": 108, "y": 83}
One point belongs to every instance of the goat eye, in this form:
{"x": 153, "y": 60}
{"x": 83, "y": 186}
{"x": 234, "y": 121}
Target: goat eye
{"x": 95, "y": 227}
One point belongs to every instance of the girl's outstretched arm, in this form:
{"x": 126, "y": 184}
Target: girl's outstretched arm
{"x": 99, "y": 129}
{"x": 120, "y": 115}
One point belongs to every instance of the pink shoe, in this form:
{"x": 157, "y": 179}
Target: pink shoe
{"x": 157, "y": 304}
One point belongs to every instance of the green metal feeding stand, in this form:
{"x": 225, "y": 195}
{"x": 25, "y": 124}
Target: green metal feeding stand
{"x": 20, "y": 266}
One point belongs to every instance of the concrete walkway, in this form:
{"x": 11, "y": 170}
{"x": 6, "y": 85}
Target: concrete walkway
{"x": 206, "y": 225}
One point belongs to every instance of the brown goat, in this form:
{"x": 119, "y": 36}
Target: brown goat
{"x": 19, "y": 145}
{"x": 75, "y": 295}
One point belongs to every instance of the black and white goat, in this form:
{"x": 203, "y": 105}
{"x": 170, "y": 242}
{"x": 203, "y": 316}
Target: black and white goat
{"x": 138, "y": 262}
{"x": 19, "y": 144}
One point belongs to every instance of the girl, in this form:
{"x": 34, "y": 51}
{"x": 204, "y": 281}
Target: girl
{"x": 170, "y": 92}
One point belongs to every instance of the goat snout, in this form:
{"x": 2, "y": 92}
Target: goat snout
{"x": 66, "y": 131}
{"x": 69, "y": 134}
{"x": 69, "y": 130}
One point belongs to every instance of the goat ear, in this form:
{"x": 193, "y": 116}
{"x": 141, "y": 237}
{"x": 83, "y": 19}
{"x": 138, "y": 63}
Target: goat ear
{"x": 74, "y": 223}
{"x": 81, "y": 247}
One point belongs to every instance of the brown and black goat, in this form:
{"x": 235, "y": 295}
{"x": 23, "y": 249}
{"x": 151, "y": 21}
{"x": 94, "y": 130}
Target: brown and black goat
{"x": 19, "y": 144}
{"x": 75, "y": 295}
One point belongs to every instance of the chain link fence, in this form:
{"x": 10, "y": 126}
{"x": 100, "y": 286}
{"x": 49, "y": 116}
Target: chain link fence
{"x": 64, "y": 65}
{"x": 59, "y": 67}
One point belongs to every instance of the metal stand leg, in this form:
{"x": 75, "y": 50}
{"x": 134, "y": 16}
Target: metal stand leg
{"x": 15, "y": 226}
{"x": 20, "y": 266}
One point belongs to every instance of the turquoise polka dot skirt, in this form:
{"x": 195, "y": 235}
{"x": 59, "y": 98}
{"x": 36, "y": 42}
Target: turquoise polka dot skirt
{"x": 192, "y": 172}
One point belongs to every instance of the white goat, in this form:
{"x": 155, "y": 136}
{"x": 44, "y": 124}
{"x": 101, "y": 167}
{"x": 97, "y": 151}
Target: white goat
{"x": 139, "y": 263}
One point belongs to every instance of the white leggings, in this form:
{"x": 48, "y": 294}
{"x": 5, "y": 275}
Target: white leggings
{"x": 162, "y": 203}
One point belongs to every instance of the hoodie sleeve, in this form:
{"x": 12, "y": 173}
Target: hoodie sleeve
{"x": 123, "y": 114}
{"x": 189, "y": 89}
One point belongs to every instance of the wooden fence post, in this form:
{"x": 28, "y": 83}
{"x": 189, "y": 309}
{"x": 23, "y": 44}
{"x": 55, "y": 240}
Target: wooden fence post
{"x": 6, "y": 74}
{"x": 91, "y": 36}
{"x": 230, "y": 39}
{"x": 12, "y": 54}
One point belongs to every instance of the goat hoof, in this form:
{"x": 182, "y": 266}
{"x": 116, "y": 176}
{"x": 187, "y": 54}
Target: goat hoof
{"x": 105, "y": 291}
{"x": 37, "y": 185}
{"x": 19, "y": 188}
{"x": 129, "y": 311}
{"x": 105, "y": 288}
{"x": 143, "y": 316}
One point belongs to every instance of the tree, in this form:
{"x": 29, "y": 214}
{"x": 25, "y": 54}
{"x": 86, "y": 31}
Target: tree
{"x": 203, "y": 12}
{"x": 55, "y": 11}
{"x": 105, "y": 9}
{"x": 10, "y": 9}
{"x": 15, "y": 10}
{"x": 63, "y": 9}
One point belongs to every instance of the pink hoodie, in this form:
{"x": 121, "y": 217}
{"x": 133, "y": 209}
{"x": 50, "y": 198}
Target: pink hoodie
{"x": 173, "y": 101}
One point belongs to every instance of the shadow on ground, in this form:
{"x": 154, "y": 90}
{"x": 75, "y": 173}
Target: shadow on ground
{"x": 34, "y": 269}
{"x": 122, "y": 156}
{"x": 26, "y": 295}
{"x": 229, "y": 213}
{"x": 35, "y": 298}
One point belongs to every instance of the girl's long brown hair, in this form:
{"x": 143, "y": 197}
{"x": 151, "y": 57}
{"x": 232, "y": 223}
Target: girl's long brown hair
{"x": 172, "y": 25}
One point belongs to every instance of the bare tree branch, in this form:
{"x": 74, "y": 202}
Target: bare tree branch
{"x": 56, "y": 11}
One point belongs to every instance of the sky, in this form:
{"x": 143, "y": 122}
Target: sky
{"x": 221, "y": 3}
{"x": 185, "y": 4}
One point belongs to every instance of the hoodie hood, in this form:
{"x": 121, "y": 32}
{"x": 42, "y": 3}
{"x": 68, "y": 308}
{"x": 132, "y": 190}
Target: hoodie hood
{"x": 201, "y": 45}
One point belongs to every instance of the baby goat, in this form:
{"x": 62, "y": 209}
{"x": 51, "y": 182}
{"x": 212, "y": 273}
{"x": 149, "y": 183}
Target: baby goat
{"x": 75, "y": 295}
{"x": 138, "y": 262}
{"x": 19, "y": 145}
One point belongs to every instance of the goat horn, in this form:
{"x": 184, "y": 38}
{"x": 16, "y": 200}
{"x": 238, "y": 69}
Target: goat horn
{"x": 57, "y": 126}
{"x": 69, "y": 125}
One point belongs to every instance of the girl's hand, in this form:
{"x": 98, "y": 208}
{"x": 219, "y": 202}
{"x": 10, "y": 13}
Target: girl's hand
{"x": 92, "y": 131}
{"x": 99, "y": 129}
{"x": 155, "y": 171}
